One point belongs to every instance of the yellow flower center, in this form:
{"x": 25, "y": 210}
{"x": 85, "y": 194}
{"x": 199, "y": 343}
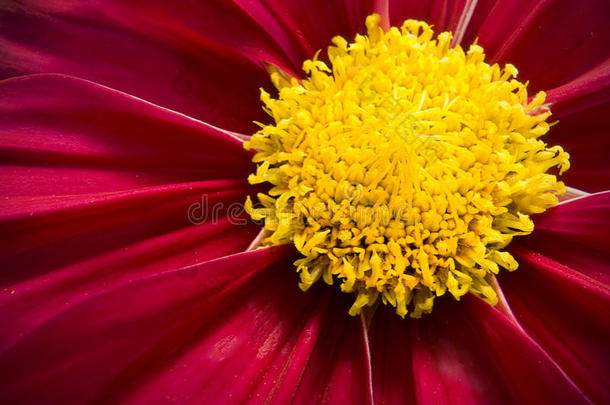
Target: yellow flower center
{"x": 403, "y": 170}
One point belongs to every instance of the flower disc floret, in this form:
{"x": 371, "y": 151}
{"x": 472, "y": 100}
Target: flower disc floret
{"x": 404, "y": 168}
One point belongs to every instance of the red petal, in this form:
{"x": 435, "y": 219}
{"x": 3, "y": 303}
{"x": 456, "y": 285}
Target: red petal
{"x": 219, "y": 332}
{"x": 464, "y": 353}
{"x": 551, "y": 42}
{"x": 83, "y": 175}
{"x": 42, "y": 235}
{"x": 591, "y": 261}
{"x": 584, "y": 220}
{"x": 197, "y": 57}
{"x": 582, "y": 107}
{"x": 589, "y": 89}
{"x": 443, "y": 14}
{"x": 61, "y": 135}
{"x": 48, "y": 278}
{"x": 532, "y": 375}
{"x": 390, "y": 341}
{"x": 302, "y": 28}
{"x": 561, "y": 293}
{"x": 121, "y": 330}
{"x": 270, "y": 344}
{"x": 567, "y": 313}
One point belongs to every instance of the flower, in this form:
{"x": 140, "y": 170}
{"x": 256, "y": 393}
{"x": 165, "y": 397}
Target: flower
{"x": 123, "y": 122}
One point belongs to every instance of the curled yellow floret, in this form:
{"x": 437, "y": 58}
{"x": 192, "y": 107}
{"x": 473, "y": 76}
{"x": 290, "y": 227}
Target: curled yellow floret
{"x": 403, "y": 169}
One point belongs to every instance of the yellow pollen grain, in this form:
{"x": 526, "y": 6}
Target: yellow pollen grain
{"x": 401, "y": 170}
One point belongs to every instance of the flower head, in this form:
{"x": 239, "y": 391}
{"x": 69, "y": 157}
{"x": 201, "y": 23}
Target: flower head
{"x": 404, "y": 168}
{"x": 129, "y": 266}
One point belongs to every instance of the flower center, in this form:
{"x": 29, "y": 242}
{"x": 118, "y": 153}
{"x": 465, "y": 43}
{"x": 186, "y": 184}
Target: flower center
{"x": 403, "y": 170}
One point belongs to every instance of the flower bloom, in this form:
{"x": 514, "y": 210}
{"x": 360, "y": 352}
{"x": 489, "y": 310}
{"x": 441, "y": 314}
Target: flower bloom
{"x": 128, "y": 268}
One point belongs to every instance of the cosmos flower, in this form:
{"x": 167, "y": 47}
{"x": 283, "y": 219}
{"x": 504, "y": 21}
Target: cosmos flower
{"x": 131, "y": 272}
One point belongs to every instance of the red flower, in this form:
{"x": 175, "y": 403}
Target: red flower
{"x": 110, "y": 130}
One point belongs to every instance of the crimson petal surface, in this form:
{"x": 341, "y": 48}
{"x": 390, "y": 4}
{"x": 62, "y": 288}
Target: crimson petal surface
{"x": 75, "y": 356}
{"x": 551, "y": 42}
{"x": 463, "y": 353}
{"x": 201, "y": 58}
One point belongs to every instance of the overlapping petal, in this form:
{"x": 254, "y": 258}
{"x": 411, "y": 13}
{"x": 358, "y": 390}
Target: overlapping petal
{"x": 444, "y": 15}
{"x": 551, "y": 42}
{"x": 561, "y": 296}
{"x": 111, "y": 327}
{"x": 567, "y": 314}
{"x": 183, "y": 335}
{"x": 304, "y": 27}
{"x": 582, "y": 106}
{"x": 201, "y": 58}
{"x": 91, "y": 177}
{"x": 306, "y": 352}
{"x": 584, "y": 221}
{"x": 466, "y": 353}
{"x": 101, "y": 140}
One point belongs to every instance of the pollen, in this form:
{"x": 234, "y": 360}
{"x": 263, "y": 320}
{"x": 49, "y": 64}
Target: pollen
{"x": 403, "y": 168}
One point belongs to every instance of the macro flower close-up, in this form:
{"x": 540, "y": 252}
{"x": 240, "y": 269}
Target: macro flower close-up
{"x": 332, "y": 201}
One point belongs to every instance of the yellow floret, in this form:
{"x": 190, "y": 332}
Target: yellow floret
{"x": 403, "y": 169}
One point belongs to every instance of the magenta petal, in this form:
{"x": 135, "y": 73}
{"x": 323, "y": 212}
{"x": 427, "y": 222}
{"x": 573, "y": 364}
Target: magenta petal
{"x": 584, "y": 220}
{"x": 201, "y": 58}
{"x": 561, "y": 293}
{"x": 587, "y": 90}
{"x": 567, "y": 313}
{"x": 85, "y": 169}
{"x": 269, "y": 343}
{"x": 223, "y": 331}
{"x": 551, "y": 42}
{"x": 439, "y": 359}
{"x": 42, "y": 235}
{"x": 302, "y": 28}
{"x": 103, "y": 341}
{"x": 463, "y": 353}
{"x": 592, "y": 260}
{"x": 443, "y": 14}
{"x": 451, "y": 365}
{"x": 61, "y": 135}
{"x": 272, "y": 344}
{"x": 529, "y": 371}
{"x": 390, "y": 342}
{"x": 582, "y": 107}
{"x": 41, "y": 282}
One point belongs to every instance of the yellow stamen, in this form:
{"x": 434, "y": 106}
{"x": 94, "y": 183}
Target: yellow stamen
{"x": 403, "y": 169}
